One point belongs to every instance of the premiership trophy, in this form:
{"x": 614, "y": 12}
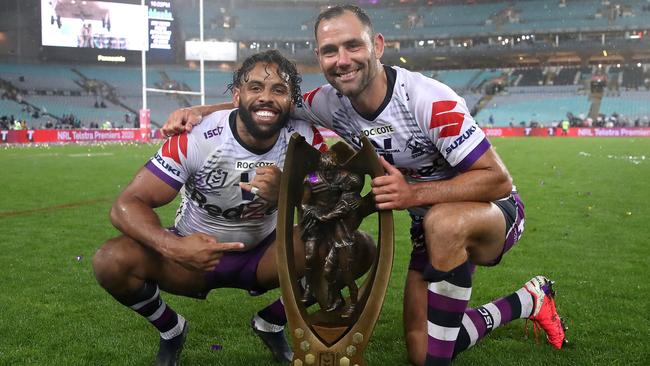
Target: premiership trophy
{"x": 330, "y": 317}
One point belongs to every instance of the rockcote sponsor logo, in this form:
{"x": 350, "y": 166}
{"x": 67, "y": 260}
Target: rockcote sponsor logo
{"x": 248, "y": 165}
{"x": 379, "y": 131}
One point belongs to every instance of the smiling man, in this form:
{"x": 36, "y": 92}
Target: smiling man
{"x": 224, "y": 232}
{"x": 440, "y": 166}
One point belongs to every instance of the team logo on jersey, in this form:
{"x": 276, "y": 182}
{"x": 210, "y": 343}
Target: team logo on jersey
{"x": 249, "y": 165}
{"x": 417, "y": 148}
{"x": 174, "y": 147}
{"x": 216, "y": 178}
{"x": 378, "y": 131}
{"x": 442, "y": 116}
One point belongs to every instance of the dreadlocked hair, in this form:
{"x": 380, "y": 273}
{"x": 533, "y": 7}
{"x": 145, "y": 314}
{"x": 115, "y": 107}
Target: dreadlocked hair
{"x": 286, "y": 68}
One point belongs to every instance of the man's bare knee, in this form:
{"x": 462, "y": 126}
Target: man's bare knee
{"x": 446, "y": 234}
{"x": 114, "y": 261}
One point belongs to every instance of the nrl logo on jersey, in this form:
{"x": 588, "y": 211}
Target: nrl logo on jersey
{"x": 249, "y": 165}
{"x": 216, "y": 178}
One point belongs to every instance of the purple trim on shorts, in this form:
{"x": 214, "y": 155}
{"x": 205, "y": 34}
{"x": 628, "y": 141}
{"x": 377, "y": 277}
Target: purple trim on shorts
{"x": 312, "y": 177}
{"x": 439, "y": 348}
{"x": 239, "y": 269}
{"x": 164, "y": 177}
{"x": 505, "y": 309}
{"x": 445, "y": 303}
{"x": 419, "y": 259}
{"x": 477, "y": 320}
{"x": 473, "y": 156}
{"x": 514, "y": 234}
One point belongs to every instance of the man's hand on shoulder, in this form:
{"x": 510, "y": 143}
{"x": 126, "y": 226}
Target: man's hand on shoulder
{"x": 199, "y": 251}
{"x": 184, "y": 119}
{"x": 181, "y": 120}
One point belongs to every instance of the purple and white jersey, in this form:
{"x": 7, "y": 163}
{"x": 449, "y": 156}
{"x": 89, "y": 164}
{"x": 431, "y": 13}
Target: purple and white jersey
{"x": 209, "y": 163}
{"x": 422, "y": 127}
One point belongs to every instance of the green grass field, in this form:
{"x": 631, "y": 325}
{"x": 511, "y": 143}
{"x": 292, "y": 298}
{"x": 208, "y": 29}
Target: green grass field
{"x": 587, "y": 228}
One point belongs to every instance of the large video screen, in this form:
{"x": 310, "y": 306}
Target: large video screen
{"x": 94, "y": 24}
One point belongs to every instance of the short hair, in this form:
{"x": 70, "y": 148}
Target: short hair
{"x": 285, "y": 67}
{"x": 338, "y": 10}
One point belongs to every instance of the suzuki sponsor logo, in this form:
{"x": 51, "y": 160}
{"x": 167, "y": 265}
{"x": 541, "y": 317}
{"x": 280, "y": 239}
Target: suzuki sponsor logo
{"x": 460, "y": 139}
{"x": 378, "y": 131}
{"x": 166, "y": 165}
{"x": 248, "y": 165}
{"x": 442, "y": 117}
{"x": 4, "y": 135}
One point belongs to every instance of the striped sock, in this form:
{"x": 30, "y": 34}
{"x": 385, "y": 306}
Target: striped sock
{"x": 479, "y": 322}
{"x": 447, "y": 298}
{"x": 272, "y": 318}
{"x": 147, "y": 302}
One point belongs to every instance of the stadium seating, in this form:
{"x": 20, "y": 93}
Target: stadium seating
{"x": 630, "y": 104}
{"x": 542, "y": 104}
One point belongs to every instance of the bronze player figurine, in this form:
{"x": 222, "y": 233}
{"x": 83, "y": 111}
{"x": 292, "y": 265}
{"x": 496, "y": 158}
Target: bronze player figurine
{"x": 331, "y": 198}
{"x": 324, "y": 193}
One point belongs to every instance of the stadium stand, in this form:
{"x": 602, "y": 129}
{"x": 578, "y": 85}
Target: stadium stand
{"x": 530, "y": 60}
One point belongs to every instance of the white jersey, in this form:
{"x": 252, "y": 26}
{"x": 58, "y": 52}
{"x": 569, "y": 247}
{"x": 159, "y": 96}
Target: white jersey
{"x": 209, "y": 163}
{"x": 422, "y": 127}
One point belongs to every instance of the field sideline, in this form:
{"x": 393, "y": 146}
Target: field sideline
{"x": 587, "y": 228}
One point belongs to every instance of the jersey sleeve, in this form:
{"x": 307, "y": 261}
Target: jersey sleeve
{"x": 444, "y": 116}
{"x": 311, "y": 135}
{"x": 314, "y": 108}
{"x": 172, "y": 162}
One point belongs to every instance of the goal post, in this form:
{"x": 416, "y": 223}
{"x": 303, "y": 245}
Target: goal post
{"x": 144, "y": 112}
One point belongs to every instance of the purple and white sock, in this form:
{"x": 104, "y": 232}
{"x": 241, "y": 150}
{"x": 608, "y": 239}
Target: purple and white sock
{"x": 147, "y": 302}
{"x": 447, "y": 298}
{"x": 480, "y": 321}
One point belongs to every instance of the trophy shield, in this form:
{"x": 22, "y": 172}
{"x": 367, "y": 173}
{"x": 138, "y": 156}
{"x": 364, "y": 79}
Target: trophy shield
{"x": 331, "y": 332}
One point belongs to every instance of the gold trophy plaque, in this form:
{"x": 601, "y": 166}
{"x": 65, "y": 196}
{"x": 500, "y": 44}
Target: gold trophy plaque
{"x": 323, "y": 191}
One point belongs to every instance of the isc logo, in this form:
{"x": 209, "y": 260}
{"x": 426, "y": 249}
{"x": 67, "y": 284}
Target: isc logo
{"x": 212, "y": 133}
